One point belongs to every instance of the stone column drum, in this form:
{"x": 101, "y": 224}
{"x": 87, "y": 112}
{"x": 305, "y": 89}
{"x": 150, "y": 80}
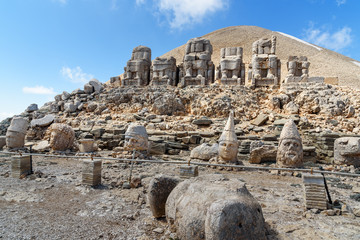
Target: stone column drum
{"x": 15, "y": 135}
{"x": 86, "y": 145}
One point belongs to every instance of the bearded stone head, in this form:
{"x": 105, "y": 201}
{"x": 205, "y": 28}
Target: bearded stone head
{"x": 290, "y": 150}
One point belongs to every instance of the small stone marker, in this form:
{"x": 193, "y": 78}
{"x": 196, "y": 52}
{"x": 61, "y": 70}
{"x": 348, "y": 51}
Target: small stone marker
{"x": 315, "y": 194}
{"x": 189, "y": 171}
{"x": 91, "y": 172}
{"x": 86, "y": 145}
{"x": 20, "y": 166}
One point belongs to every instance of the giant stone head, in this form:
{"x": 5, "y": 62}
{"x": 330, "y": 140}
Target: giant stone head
{"x": 290, "y": 150}
{"x": 228, "y": 143}
{"x": 136, "y": 138}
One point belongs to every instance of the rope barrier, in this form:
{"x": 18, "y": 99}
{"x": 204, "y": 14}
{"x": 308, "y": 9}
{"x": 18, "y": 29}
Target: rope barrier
{"x": 188, "y": 163}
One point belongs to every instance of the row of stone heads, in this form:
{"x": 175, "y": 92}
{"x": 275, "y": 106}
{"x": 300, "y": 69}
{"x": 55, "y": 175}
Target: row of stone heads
{"x": 198, "y": 69}
{"x": 289, "y": 152}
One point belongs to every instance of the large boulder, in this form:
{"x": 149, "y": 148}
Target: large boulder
{"x": 65, "y": 96}
{"x": 168, "y": 104}
{"x": 96, "y": 84}
{"x": 88, "y": 88}
{"x": 214, "y": 207}
{"x": 159, "y": 189}
{"x": 32, "y": 107}
{"x": 264, "y": 153}
{"x": 70, "y": 107}
{"x": 205, "y": 151}
{"x": 43, "y": 122}
{"x": 41, "y": 146}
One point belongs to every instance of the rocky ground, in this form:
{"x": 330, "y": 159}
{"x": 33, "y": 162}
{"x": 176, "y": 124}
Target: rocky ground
{"x": 53, "y": 204}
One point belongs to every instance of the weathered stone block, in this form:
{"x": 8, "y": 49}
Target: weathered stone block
{"x": 20, "y": 166}
{"x": 205, "y": 151}
{"x": 189, "y": 171}
{"x": 91, "y": 172}
{"x": 315, "y": 194}
{"x": 260, "y": 119}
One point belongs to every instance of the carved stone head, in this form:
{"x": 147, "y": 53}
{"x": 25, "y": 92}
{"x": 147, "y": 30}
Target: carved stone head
{"x": 61, "y": 137}
{"x": 228, "y": 143}
{"x": 136, "y": 138}
{"x": 347, "y": 151}
{"x": 290, "y": 150}
{"x": 15, "y": 135}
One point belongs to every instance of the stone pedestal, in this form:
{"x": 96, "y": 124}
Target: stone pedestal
{"x": 91, "y": 172}
{"x": 20, "y": 166}
{"x": 189, "y": 171}
{"x": 315, "y": 193}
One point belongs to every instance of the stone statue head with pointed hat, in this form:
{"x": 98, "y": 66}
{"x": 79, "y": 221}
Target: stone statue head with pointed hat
{"x": 290, "y": 150}
{"x": 228, "y": 143}
{"x": 136, "y": 138}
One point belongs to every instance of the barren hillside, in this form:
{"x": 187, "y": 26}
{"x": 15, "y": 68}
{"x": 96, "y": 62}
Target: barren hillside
{"x": 324, "y": 62}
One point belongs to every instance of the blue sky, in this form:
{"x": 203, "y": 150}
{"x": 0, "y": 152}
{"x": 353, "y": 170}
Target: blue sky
{"x": 48, "y": 46}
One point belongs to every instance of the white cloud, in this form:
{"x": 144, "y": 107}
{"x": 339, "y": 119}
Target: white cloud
{"x": 180, "y": 13}
{"x": 76, "y": 75}
{"x": 340, "y": 2}
{"x": 4, "y": 115}
{"x": 39, "y": 90}
{"x": 335, "y": 41}
{"x": 140, "y": 2}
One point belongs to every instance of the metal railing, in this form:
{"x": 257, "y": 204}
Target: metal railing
{"x": 158, "y": 161}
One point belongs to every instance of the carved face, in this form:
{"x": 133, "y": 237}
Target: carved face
{"x": 348, "y": 146}
{"x": 135, "y": 142}
{"x": 347, "y": 151}
{"x": 228, "y": 151}
{"x": 290, "y": 152}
